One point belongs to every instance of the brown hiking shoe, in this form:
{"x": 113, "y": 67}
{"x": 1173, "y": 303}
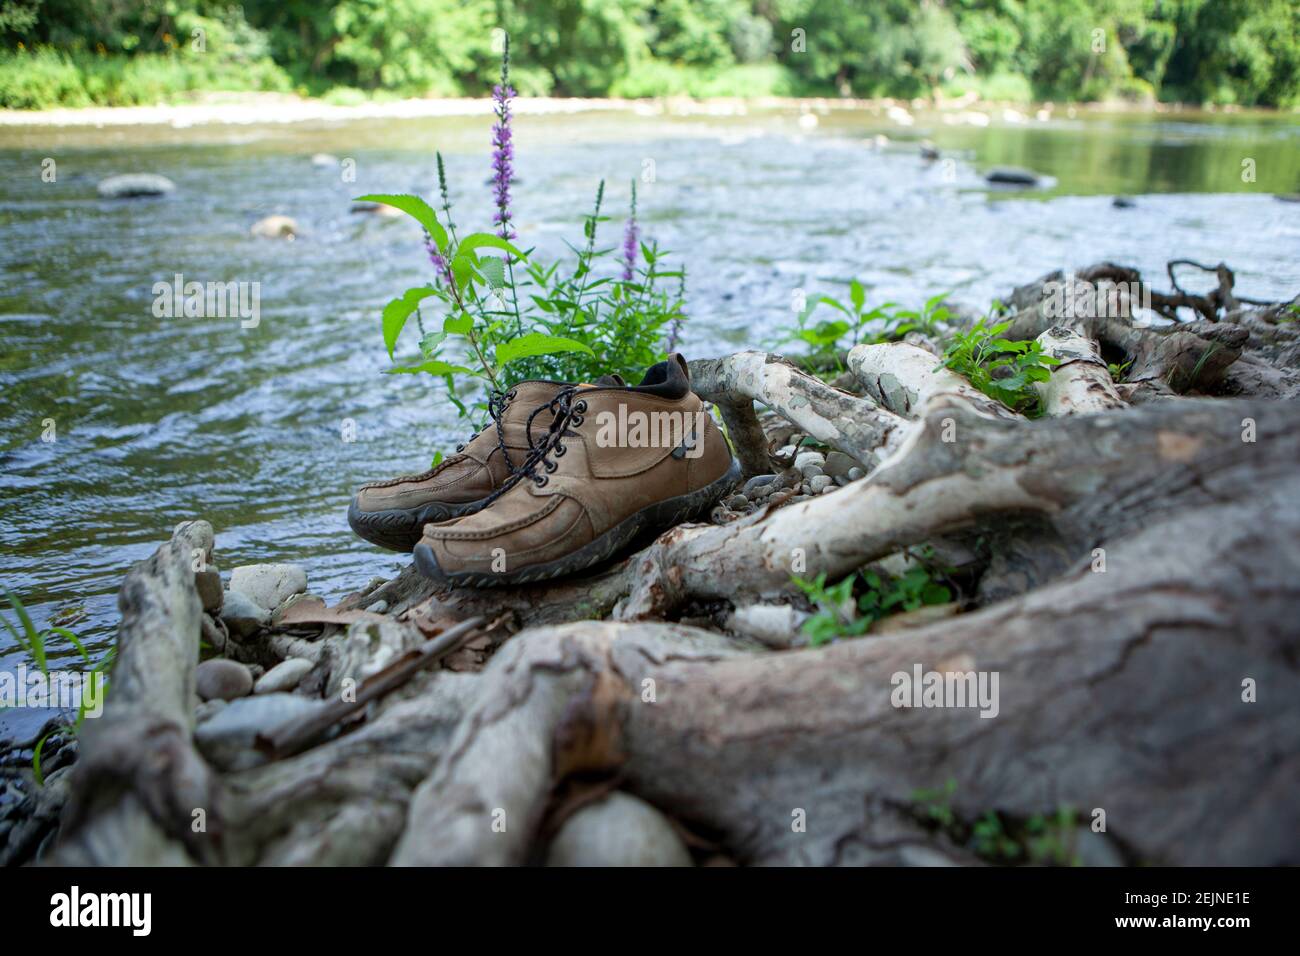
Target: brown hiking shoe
{"x": 616, "y": 461}
{"x": 392, "y": 513}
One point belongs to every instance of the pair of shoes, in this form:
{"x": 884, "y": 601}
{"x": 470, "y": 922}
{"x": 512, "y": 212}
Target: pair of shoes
{"x": 569, "y": 476}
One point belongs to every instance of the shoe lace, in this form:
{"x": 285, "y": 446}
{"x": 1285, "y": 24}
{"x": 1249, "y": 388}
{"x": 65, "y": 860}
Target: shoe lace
{"x": 567, "y": 415}
{"x": 497, "y": 403}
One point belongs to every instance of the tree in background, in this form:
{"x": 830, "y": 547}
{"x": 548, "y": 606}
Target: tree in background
{"x": 1221, "y": 51}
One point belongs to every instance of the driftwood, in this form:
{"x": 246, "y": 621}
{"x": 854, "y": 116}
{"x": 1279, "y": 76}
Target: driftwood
{"x": 1135, "y": 554}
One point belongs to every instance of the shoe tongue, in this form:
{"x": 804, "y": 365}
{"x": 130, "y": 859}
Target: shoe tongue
{"x": 611, "y": 380}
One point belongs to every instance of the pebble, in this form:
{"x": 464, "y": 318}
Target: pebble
{"x": 220, "y": 679}
{"x": 811, "y": 471}
{"x": 379, "y": 607}
{"x": 818, "y": 484}
{"x": 133, "y": 185}
{"x": 856, "y": 473}
{"x": 268, "y": 585}
{"x": 737, "y": 502}
{"x": 806, "y": 458}
{"x": 275, "y": 227}
{"x": 838, "y": 464}
{"x": 1011, "y": 176}
{"x": 208, "y": 709}
{"x": 753, "y": 486}
{"x": 227, "y": 739}
{"x": 242, "y": 617}
{"x": 283, "y": 676}
{"x": 208, "y": 583}
{"x": 618, "y": 830}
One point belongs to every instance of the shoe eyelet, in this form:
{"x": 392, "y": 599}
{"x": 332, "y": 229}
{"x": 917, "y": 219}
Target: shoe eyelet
{"x": 581, "y": 406}
{"x": 550, "y": 466}
{"x": 541, "y": 481}
{"x": 576, "y": 421}
{"x": 559, "y": 451}
{"x": 460, "y": 447}
{"x": 510, "y": 395}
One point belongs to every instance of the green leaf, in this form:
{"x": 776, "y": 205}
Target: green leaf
{"x": 433, "y": 367}
{"x": 437, "y": 459}
{"x": 399, "y": 310}
{"x": 417, "y": 209}
{"x": 536, "y": 343}
{"x": 857, "y": 295}
{"x": 429, "y": 344}
{"x": 493, "y": 270}
{"x": 458, "y": 324}
{"x": 486, "y": 240}
{"x": 462, "y": 270}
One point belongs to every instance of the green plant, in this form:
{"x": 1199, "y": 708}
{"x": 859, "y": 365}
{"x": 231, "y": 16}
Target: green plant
{"x": 1047, "y": 840}
{"x": 998, "y": 367}
{"x": 872, "y": 326}
{"x": 1118, "y": 370}
{"x": 839, "y": 614}
{"x": 508, "y": 317}
{"x": 33, "y": 643}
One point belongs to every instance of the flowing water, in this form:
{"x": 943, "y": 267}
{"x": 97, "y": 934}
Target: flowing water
{"x": 159, "y": 419}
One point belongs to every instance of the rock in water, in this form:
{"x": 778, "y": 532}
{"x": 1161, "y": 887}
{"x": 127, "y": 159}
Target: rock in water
{"x": 324, "y": 160}
{"x": 227, "y": 739}
{"x": 269, "y": 585}
{"x": 283, "y": 676}
{"x": 133, "y": 185}
{"x": 275, "y": 227}
{"x": 1011, "y": 176}
{"x": 241, "y": 614}
{"x": 619, "y": 830}
{"x": 219, "y": 679}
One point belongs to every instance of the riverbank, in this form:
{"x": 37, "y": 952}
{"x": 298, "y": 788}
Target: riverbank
{"x": 244, "y": 109}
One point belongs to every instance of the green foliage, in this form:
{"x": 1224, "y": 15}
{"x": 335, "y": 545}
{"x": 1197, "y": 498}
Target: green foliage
{"x": 1042, "y": 840}
{"x": 839, "y": 614}
{"x": 882, "y": 323}
{"x": 509, "y": 318}
{"x": 33, "y": 643}
{"x": 1243, "y": 52}
{"x": 998, "y": 367}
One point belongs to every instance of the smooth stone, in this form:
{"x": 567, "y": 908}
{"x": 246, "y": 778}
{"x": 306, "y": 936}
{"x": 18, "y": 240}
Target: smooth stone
{"x": 269, "y": 585}
{"x": 208, "y": 709}
{"x": 133, "y": 185}
{"x": 812, "y": 471}
{"x": 619, "y": 830}
{"x": 276, "y": 227}
{"x": 283, "y": 676}
{"x": 841, "y": 480}
{"x": 208, "y": 583}
{"x": 227, "y": 740}
{"x": 819, "y": 484}
{"x": 757, "y": 482}
{"x": 241, "y": 615}
{"x": 806, "y": 458}
{"x": 1011, "y": 176}
{"x": 856, "y": 473}
{"x": 379, "y": 607}
{"x": 1123, "y": 202}
{"x": 736, "y": 502}
{"x": 838, "y": 464}
{"x": 220, "y": 679}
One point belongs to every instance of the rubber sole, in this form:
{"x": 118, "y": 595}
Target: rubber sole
{"x": 400, "y": 529}
{"x": 662, "y": 514}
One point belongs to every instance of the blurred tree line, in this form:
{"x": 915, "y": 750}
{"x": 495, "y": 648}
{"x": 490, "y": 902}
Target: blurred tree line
{"x": 1221, "y": 51}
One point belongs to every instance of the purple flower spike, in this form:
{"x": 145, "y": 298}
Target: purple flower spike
{"x": 503, "y": 149}
{"x": 630, "y": 235}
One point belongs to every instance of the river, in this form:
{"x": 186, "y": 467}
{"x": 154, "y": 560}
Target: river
{"x": 160, "y": 419}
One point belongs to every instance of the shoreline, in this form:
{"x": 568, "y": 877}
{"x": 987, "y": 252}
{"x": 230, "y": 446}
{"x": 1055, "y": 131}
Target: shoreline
{"x": 249, "y": 109}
